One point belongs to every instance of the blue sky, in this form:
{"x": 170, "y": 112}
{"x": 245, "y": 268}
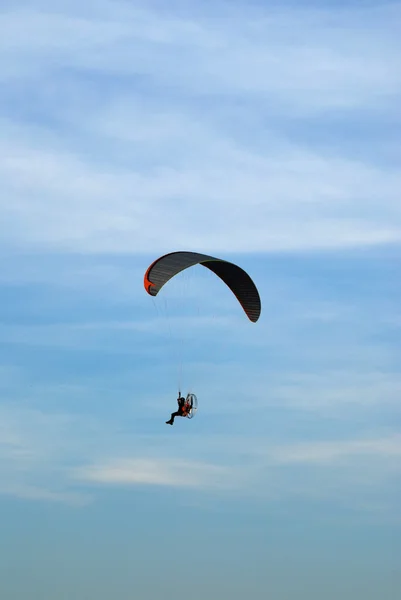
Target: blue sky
{"x": 264, "y": 133}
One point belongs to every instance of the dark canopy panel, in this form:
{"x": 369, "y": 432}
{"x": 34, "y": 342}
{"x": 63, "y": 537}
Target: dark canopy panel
{"x": 239, "y": 282}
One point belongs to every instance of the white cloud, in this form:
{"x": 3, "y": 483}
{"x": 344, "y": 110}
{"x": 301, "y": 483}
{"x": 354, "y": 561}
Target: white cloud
{"x": 331, "y": 453}
{"x": 132, "y": 129}
{"x": 142, "y": 471}
{"x": 50, "y": 457}
{"x": 247, "y": 204}
{"x": 41, "y": 494}
{"x": 34, "y": 447}
{"x": 359, "y": 473}
{"x": 338, "y": 390}
{"x": 303, "y": 57}
{"x": 148, "y": 163}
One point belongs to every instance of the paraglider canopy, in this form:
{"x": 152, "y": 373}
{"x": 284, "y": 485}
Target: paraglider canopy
{"x": 239, "y": 282}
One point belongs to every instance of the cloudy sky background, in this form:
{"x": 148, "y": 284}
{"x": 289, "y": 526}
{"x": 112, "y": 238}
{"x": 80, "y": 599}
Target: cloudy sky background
{"x": 265, "y": 133}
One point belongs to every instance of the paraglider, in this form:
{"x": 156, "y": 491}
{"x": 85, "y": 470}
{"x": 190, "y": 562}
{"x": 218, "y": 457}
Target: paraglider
{"x": 238, "y": 281}
{"x": 186, "y": 408}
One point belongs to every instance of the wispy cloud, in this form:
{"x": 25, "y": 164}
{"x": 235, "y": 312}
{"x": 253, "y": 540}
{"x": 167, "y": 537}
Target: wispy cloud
{"x": 265, "y": 133}
{"x": 173, "y": 473}
{"x": 236, "y": 129}
{"x": 338, "y": 390}
{"x": 63, "y": 203}
{"x": 64, "y": 459}
{"x": 41, "y": 494}
{"x": 124, "y": 171}
{"x": 254, "y": 49}
{"x": 34, "y": 450}
{"x": 326, "y": 453}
